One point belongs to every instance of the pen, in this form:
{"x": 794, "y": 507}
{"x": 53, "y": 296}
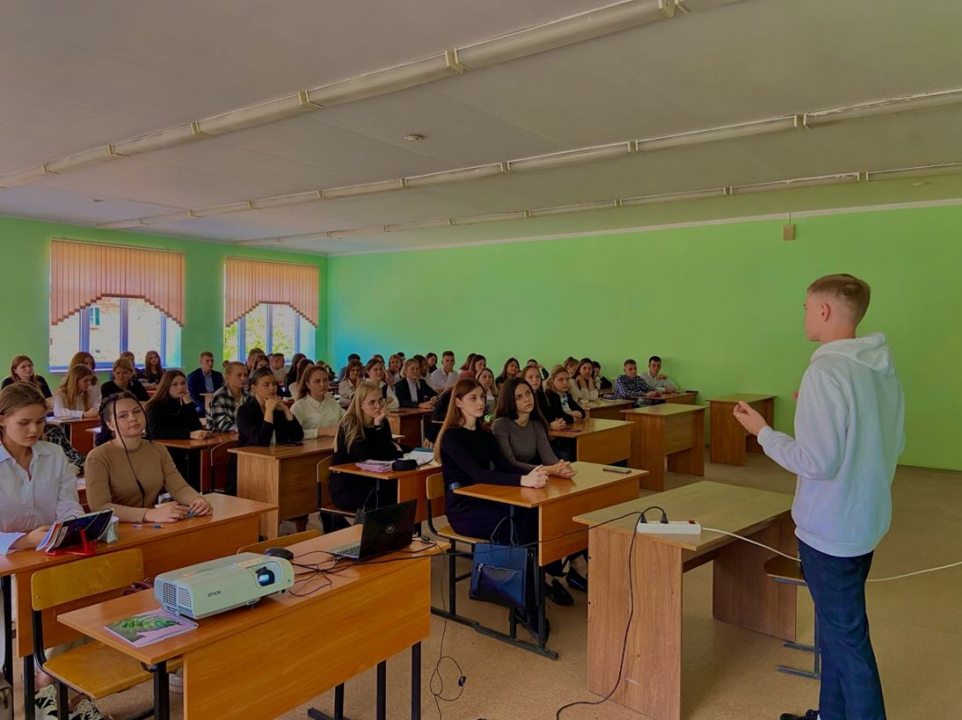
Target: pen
{"x": 623, "y": 471}
{"x": 156, "y": 526}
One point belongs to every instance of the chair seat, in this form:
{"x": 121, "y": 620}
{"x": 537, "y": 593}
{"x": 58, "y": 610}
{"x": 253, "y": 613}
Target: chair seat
{"x": 785, "y": 570}
{"x": 97, "y": 670}
{"x": 448, "y": 533}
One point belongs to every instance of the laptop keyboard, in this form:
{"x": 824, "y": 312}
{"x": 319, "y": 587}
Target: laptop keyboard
{"x": 350, "y": 551}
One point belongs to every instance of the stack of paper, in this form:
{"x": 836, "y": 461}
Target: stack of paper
{"x": 377, "y": 466}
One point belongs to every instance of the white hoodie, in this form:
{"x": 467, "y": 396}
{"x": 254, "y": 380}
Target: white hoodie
{"x": 848, "y": 437}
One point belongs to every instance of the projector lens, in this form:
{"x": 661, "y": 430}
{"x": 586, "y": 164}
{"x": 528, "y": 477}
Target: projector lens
{"x": 265, "y": 577}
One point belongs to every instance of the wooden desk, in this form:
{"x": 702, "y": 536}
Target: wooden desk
{"x": 673, "y": 431}
{"x": 408, "y": 422}
{"x": 742, "y": 593}
{"x": 240, "y": 664}
{"x": 77, "y": 428}
{"x": 411, "y": 485}
{"x": 606, "y": 409}
{"x": 285, "y": 477}
{"x": 203, "y": 447}
{"x": 232, "y": 525}
{"x": 729, "y": 440}
{"x": 680, "y": 398}
{"x": 557, "y": 503}
{"x": 599, "y": 441}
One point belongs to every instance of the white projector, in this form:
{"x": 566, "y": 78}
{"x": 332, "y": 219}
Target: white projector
{"x": 214, "y": 587}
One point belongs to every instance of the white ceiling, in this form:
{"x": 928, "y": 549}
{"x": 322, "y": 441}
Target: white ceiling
{"x": 77, "y": 75}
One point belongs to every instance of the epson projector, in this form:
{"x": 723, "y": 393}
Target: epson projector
{"x": 213, "y": 587}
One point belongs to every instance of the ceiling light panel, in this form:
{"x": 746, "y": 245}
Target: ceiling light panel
{"x": 24, "y": 177}
{"x": 83, "y": 159}
{"x": 364, "y": 189}
{"x": 287, "y": 200}
{"x": 120, "y": 224}
{"x": 496, "y": 217}
{"x": 167, "y": 218}
{"x": 582, "y": 207}
{"x": 674, "y": 197}
{"x": 459, "y": 175}
{"x": 913, "y": 172}
{"x": 222, "y": 209}
{"x": 356, "y": 232}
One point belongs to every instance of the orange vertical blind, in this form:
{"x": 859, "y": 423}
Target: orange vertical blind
{"x": 248, "y": 283}
{"x": 82, "y": 273}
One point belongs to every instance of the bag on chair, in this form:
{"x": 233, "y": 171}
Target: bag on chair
{"x": 503, "y": 574}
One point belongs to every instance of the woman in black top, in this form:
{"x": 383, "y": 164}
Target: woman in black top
{"x": 172, "y": 415}
{"x": 532, "y": 375}
{"x": 363, "y": 434}
{"x": 153, "y": 369}
{"x": 560, "y": 402}
{"x": 123, "y": 380}
{"x": 21, "y": 370}
{"x": 264, "y": 417}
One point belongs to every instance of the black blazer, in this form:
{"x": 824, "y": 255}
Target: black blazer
{"x": 172, "y": 420}
{"x": 555, "y": 410}
{"x": 252, "y": 430}
{"x": 197, "y": 387}
{"x": 44, "y": 388}
{"x": 403, "y": 392}
{"x": 110, "y": 388}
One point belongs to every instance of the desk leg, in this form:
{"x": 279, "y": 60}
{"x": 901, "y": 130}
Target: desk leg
{"x": 541, "y": 593}
{"x": 161, "y": 692}
{"x": 6, "y": 586}
{"x": 29, "y": 689}
{"x": 381, "y": 712}
{"x": 316, "y": 714}
{"x": 416, "y": 681}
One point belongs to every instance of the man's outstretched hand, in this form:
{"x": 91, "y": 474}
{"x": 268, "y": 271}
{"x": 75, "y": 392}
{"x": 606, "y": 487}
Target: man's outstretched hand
{"x": 749, "y": 418}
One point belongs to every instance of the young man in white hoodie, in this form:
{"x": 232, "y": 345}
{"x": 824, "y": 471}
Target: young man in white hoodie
{"x": 848, "y": 437}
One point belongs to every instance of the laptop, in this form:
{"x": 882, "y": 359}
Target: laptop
{"x": 383, "y": 530}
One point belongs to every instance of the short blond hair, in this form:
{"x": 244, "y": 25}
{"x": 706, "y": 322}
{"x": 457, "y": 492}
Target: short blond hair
{"x": 855, "y": 293}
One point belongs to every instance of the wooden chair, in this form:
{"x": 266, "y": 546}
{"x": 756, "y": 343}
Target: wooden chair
{"x": 280, "y": 542}
{"x": 435, "y": 491}
{"x": 220, "y": 465}
{"x": 325, "y": 504}
{"x": 93, "y": 668}
{"x": 783, "y": 570}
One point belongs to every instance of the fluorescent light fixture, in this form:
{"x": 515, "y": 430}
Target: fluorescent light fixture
{"x": 674, "y": 197}
{"x": 223, "y": 209}
{"x": 570, "y": 157}
{"x": 565, "y": 31}
{"x": 403, "y": 227}
{"x": 78, "y": 160}
{"x": 727, "y": 132}
{"x": 247, "y": 117}
{"x": 698, "y": 5}
{"x": 565, "y": 209}
{"x": 913, "y": 172}
{"x": 460, "y": 175}
{"x": 796, "y": 183}
{"x": 160, "y": 141}
{"x": 25, "y": 177}
{"x": 388, "y": 80}
{"x": 168, "y": 218}
{"x": 356, "y": 232}
{"x": 906, "y": 103}
{"x": 286, "y": 200}
{"x": 497, "y": 217}
{"x": 120, "y": 224}
{"x": 365, "y": 189}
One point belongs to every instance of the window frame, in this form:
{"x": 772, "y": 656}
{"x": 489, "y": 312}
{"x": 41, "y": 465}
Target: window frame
{"x": 269, "y": 330}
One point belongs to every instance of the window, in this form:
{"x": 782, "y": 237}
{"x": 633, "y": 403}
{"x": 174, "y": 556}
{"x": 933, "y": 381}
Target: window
{"x": 273, "y": 327}
{"x": 109, "y": 327}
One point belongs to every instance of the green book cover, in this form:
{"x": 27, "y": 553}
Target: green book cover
{"x": 150, "y": 627}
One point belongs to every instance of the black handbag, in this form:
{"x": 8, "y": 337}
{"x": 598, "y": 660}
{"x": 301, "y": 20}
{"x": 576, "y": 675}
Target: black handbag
{"x": 503, "y": 574}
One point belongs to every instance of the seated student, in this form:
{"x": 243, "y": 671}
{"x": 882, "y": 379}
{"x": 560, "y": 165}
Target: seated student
{"x": 411, "y": 390}
{"x": 302, "y": 367}
{"x": 352, "y": 358}
{"x": 432, "y": 360}
{"x": 278, "y": 363}
{"x": 394, "y": 364}
{"x": 204, "y": 380}
{"x": 541, "y": 368}
{"x": 511, "y": 369}
{"x": 560, "y": 402}
{"x": 445, "y": 376}
{"x": 316, "y": 410}
{"x": 153, "y": 370}
{"x": 465, "y": 370}
{"x": 469, "y": 454}
{"x": 363, "y": 434}
{"x": 87, "y": 360}
{"x": 350, "y": 382}
{"x": 264, "y": 419}
{"x": 571, "y": 366}
{"x": 601, "y": 382}
{"x": 124, "y": 381}
{"x": 21, "y": 370}
{"x": 582, "y": 387}
{"x": 260, "y": 361}
{"x": 54, "y": 433}
{"x": 532, "y": 375}
{"x": 374, "y": 371}
{"x": 170, "y": 412}
{"x": 73, "y": 399}
{"x": 656, "y": 379}
{"x": 129, "y": 357}
{"x": 291, "y": 376}
{"x": 252, "y": 357}
{"x": 631, "y": 386}
{"x": 425, "y": 371}
{"x": 222, "y": 413}
{"x": 127, "y": 472}
{"x": 486, "y": 378}
{"x": 432, "y": 429}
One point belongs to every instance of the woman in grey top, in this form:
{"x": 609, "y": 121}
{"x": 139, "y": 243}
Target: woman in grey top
{"x": 522, "y": 432}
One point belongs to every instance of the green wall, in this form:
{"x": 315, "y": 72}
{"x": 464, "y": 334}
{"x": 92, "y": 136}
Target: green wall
{"x": 25, "y": 282}
{"x": 722, "y": 304}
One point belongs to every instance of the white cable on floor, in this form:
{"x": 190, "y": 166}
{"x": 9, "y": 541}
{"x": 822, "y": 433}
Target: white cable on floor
{"x": 798, "y": 560}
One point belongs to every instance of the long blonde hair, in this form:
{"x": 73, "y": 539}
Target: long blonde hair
{"x": 555, "y": 372}
{"x": 19, "y": 395}
{"x": 81, "y": 358}
{"x": 454, "y": 416}
{"x": 17, "y": 359}
{"x": 70, "y": 386}
{"x": 352, "y": 424}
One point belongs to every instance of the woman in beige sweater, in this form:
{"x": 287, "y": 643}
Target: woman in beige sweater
{"x": 127, "y": 473}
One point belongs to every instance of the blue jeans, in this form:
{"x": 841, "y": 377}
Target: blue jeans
{"x": 851, "y": 687}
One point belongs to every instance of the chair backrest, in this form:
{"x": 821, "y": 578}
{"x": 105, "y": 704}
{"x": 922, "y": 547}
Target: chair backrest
{"x": 279, "y": 542}
{"x": 72, "y": 581}
{"x": 324, "y": 499}
{"x": 435, "y": 486}
{"x": 220, "y": 462}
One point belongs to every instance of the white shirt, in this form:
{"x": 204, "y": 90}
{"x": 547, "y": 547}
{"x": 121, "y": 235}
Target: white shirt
{"x": 346, "y": 390}
{"x": 413, "y": 387}
{"x": 62, "y": 410}
{"x": 665, "y": 384}
{"x": 443, "y": 380}
{"x": 280, "y": 374}
{"x": 390, "y": 399}
{"x": 47, "y": 495}
{"x": 582, "y": 395}
{"x": 312, "y": 414}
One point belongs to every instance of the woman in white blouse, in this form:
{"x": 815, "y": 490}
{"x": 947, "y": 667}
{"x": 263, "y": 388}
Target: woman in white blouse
{"x": 350, "y": 382}
{"x": 582, "y": 386}
{"x": 377, "y": 375}
{"x": 73, "y": 399}
{"x": 316, "y": 411}
{"x": 87, "y": 360}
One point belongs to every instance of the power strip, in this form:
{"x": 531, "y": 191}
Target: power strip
{"x": 673, "y": 527}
